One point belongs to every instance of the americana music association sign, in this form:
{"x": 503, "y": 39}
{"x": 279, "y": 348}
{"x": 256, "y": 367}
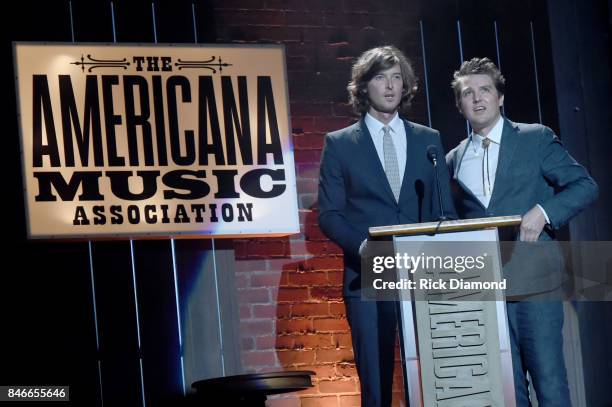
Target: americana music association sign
{"x": 138, "y": 140}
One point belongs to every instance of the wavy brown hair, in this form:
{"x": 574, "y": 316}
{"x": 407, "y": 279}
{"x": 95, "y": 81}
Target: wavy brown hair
{"x": 369, "y": 64}
{"x": 477, "y": 66}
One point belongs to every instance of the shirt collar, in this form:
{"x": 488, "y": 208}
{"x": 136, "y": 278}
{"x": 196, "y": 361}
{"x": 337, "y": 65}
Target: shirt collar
{"x": 375, "y": 126}
{"x": 494, "y": 135}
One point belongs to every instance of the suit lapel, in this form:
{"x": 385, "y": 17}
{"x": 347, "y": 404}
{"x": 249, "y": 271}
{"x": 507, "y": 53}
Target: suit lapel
{"x": 371, "y": 159}
{"x": 410, "y": 163}
{"x": 509, "y": 142}
{"x": 458, "y": 158}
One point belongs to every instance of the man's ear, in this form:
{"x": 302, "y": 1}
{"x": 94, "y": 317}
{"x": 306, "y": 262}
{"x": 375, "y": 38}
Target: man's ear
{"x": 501, "y": 100}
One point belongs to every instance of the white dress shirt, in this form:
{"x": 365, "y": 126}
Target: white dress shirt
{"x": 398, "y": 135}
{"x": 471, "y": 171}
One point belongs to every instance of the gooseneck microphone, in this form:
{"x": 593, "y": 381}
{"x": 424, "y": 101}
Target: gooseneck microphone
{"x": 432, "y": 154}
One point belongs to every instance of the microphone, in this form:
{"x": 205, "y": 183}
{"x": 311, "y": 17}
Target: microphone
{"x": 432, "y": 154}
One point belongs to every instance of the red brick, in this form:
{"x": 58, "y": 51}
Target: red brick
{"x": 308, "y": 170}
{"x": 293, "y": 294}
{"x": 328, "y": 401}
{"x": 321, "y": 371}
{"x": 313, "y": 233}
{"x": 326, "y": 293}
{"x": 276, "y": 248}
{"x": 346, "y": 369}
{"x": 334, "y": 355}
{"x": 319, "y": 248}
{"x": 241, "y": 250}
{"x": 245, "y": 311}
{"x": 283, "y": 401}
{"x": 331, "y": 324}
{"x": 264, "y": 311}
{"x": 254, "y": 295}
{"x": 309, "y": 141}
{"x": 343, "y": 110}
{"x": 309, "y": 278}
{"x": 350, "y": 401}
{"x": 307, "y": 186}
{"x": 265, "y": 279}
{"x": 301, "y": 124}
{"x": 249, "y": 266}
{"x": 334, "y": 249}
{"x": 342, "y": 340}
{"x": 285, "y": 342}
{"x": 338, "y": 386}
{"x": 256, "y": 328}
{"x": 299, "y": 248}
{"x": 311, "y": 341}
{"x": 241, "y": 280}
{"x": 295, "y": 357}
{"x": 310, "y": 390}
{"x": 259, "y": 358}
{"x": 330, "y": 123}
{"x": 283, "y": 311}
{"x": 307, "y": 156}
{"x": 335, "y": 277}
{"x": 248, "y": 343}
{"x": 310, "y": 310}
{"x": 293, "y": 325}
{"x": 310, "y": 109}
{"x": 265, "y": 342}
{"x": 326, "y": 263}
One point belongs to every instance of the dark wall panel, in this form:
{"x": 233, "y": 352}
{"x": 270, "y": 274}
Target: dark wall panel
{"x": 133, "y": 21}
{"x": 516, "y": 62}
{"x": 118, "y": 327}
{"x": 441, "y": 39}
{"x": 92, "y": 21}
{"x": 161, "y": 351}
{"x": 46, "y": 303}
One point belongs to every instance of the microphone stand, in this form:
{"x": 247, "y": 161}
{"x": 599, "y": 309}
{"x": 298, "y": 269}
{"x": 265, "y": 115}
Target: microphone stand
{"x": 442, "y": 216}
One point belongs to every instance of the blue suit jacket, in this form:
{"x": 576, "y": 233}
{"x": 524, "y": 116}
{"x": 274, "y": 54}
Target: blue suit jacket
{"x": 354, "y": 193}
{"x": 533, "y": 168}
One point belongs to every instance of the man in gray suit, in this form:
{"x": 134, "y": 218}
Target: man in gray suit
{"x": 373, "y": 173}
{"x": 506, "y": 168}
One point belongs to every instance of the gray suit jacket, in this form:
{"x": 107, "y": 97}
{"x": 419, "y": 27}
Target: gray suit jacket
{"x": 533, "y": 168}
{"x": 354, "y": 193}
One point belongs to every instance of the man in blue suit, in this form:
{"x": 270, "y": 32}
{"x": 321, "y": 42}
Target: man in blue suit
{"x": 373, "y": 173}
{"x": 506, "y": 168}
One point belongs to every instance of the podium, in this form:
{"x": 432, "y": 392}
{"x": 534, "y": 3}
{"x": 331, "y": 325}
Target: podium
{"x": 456, "y": 352}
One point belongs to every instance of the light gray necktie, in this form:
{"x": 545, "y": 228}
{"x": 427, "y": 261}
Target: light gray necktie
{"x": 391, "y": 165}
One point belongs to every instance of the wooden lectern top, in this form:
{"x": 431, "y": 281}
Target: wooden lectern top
{"x": 445, "y": 226}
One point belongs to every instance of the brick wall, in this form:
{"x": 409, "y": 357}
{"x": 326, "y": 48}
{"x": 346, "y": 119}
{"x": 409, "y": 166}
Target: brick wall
{"x": 291, "y": 310}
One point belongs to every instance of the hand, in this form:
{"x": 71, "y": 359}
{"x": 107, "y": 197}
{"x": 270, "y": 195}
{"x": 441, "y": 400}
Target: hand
{"x": 532, "y": 225}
